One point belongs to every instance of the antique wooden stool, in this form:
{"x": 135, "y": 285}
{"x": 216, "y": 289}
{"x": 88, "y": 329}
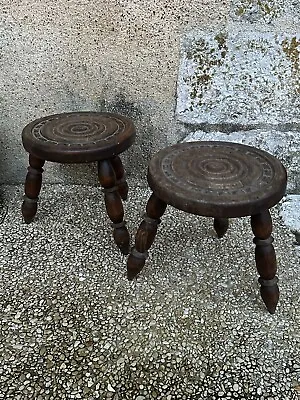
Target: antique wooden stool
{"x": 81, "y": 137}
{"x": 220, "y": 180}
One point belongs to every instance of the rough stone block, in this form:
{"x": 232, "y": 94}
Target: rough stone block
{"x": 242, "y": 76}
{"x": 266, "y": 11}
{"x": 290, "y": 214}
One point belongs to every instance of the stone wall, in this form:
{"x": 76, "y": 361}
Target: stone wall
{"x": 242, "y": 83}
{"x": 117, "y": 55}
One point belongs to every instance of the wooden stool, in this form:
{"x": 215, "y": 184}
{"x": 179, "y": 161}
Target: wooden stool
{"x": 81, "y": 137}
{"x": 221, "y": 180}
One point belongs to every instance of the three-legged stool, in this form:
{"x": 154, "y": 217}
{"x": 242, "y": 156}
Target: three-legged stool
{"x": 220, "y": 180}
{"x": 81, "y": 137}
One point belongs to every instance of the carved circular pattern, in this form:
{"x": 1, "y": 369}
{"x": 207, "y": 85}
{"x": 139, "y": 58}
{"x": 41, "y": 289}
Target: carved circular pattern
{"x": 215, "y": 178}
{"x": 77, "y": 129}
{"x": 78, "y": 137}
{"x": 215, "y": 169}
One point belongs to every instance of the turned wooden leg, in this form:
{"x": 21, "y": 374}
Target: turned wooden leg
{"x": 120, "y": 177}
{"x": 265, "y": 259}
{"x": 221, "y": 226}
{"x": 145, "y": 236}
{"x": 33, "y": 184}
{"x": 113, "y": 203}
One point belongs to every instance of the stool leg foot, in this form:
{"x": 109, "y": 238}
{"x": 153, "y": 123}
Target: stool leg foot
{"x": 265, "y": 259}
{"x": 33, "y": 184}
{"x": 145, "y": 236}
{"x": 120, "y": 177}
{"x": 113, "y": 203}
{"x": 221, "y": 226}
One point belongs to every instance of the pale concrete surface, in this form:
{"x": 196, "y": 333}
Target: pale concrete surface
{"x": 192, "y": 326}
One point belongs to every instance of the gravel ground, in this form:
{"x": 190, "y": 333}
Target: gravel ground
{"x": 192, "y": 326}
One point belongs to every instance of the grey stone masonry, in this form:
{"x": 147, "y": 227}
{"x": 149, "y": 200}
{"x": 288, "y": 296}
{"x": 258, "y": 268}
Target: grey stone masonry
{"x": 239, "y": 76}
{"x": 245, "y": 73}
{"x": 290, "y": 213}
{"x": 242, "y": 84}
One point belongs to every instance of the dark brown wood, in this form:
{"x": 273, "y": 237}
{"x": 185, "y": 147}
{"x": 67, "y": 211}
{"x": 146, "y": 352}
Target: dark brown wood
{"x": 221, "y": 226}
{"x": 33, "y": 185}
{"x": 113, "y": 203}
{"x": 79, "y": 137}
{"x": 120, "y": 177}
{"x": 265, "y": 259}
{"x": 145, "y": 236}
{"x": 217, "y": 179}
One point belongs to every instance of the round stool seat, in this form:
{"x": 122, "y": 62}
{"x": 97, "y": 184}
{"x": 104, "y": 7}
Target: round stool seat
{"x": 217, "y": 179}
{"x": 81, "y": 137}
{"x": 78, "y": 137}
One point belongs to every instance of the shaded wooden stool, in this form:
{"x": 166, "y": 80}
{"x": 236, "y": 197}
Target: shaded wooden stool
{"x": 81, "y": 137}
{"x": 220, "y": 180}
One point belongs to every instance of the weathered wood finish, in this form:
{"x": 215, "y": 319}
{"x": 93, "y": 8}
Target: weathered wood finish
{"x": 33, "y": 184}
{"x": 265, "y": 259}
{"x": 113, "y": 203}
{"x": 221, "y": 225}
{"x": 145, "y": 236}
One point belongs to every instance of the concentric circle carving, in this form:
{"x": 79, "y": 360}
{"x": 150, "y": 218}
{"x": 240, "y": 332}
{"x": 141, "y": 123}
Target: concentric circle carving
{"x": 78, "y": 137}
{"x": 78, "y": 129}
{"x": 201, "y": 176}
{"x": 212, "y": 168}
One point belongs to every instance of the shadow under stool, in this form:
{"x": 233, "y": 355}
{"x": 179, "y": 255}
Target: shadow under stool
{"x": 220, "y": 180}
{"x": 81, "y": 137}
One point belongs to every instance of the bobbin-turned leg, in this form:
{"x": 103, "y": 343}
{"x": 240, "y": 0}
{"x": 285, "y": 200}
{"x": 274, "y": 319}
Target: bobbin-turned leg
{"x": 33, "y": 184}
{"x": 265, "y": 259}
{"x": 221, "y": 226}
{"x": 120, "y": 177}
{"x": 113, "y": 203}
{"x": 145, "y": 235}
